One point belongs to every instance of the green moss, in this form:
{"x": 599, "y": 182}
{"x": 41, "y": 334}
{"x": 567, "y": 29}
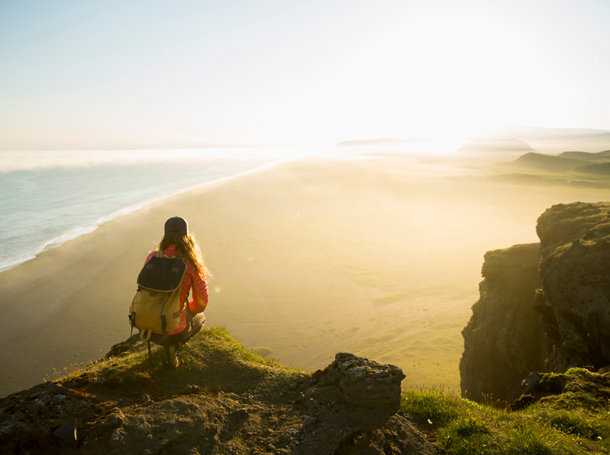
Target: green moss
{"x": 576, "y": 371}
{"x": 580, "y": 388}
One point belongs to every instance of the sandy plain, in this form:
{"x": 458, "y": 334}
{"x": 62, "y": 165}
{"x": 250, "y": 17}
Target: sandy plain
{"x": 379, "y": 256}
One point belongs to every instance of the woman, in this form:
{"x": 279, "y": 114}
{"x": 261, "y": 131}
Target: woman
{"x": 178, "y": 242}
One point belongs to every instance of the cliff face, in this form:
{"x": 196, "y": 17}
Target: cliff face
{"x": 542, "y": 307}
{"x": 575, "y": 270}
{"x": 503, "y": 340}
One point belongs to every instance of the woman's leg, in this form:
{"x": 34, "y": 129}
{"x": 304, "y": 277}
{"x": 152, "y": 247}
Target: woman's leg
{"x": 171, "y": 342}
{"x": 167, "y": 340}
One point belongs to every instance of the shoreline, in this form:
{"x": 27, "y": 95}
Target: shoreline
{"x": 79, "y": 231}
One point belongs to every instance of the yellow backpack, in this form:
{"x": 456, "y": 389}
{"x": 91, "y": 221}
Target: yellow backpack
{"x": 156, "y": 307}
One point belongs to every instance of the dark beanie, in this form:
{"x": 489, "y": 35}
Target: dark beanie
{"x": 176, "y": 225}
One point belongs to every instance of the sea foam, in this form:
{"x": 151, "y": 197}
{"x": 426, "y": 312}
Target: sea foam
{"x": 50, "y": 197}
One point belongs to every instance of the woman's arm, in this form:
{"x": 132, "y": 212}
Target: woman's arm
{"x": 200, "y": 292}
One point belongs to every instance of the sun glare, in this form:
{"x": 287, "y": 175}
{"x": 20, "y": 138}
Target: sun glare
{"x": 303, "y": 76}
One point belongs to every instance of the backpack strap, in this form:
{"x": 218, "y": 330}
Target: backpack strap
{"x": 161, "y": 254}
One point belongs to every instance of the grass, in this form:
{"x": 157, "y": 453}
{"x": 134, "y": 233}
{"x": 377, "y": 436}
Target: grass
{"x": 212, "y": 360}
{"x": 263, "y": 351}
{"x": 576, "y": 421}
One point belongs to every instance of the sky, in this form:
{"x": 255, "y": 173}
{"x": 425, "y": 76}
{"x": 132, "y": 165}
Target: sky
{"x": 188, "y": 73}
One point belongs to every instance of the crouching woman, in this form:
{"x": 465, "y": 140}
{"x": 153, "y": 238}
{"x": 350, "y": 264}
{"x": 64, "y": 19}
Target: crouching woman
{"x": 177, "y": 241}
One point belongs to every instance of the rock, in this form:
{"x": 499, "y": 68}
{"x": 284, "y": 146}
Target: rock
{"x": 522, "y": 402}
{"x": 397, "y": 438}
{"x": 42, "y": 418}
{"x": 67, "y": 434}
{"x": 367, "y": 383}
{"x": 547, "y": 384}
{"x": 351, "y": 396}
{"x": 529, "y": 383}
{"x": 542, "y": 307}
{"x": 362, "y": 382}
{"x": 124, "y": 346}
{"x": 190, "y": 389}
{"x": 575, "y": 245}
{"x": 115, "y": 420}
{"x": 504, "y": 339}
{"x": 116, "y": 435}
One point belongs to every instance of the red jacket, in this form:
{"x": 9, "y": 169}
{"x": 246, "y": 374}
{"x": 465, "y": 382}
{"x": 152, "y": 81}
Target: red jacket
{"x": 192, "y": 280}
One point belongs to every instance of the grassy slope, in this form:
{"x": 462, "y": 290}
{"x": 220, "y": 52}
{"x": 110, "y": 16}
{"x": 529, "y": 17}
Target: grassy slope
{"x": 212, "y": 360}
{"x": 574, "y": 422}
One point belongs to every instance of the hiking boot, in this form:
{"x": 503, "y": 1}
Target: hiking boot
{"x": 172, "y": 354}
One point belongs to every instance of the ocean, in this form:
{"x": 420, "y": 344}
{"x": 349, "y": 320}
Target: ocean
{"x": 50, "y": 197}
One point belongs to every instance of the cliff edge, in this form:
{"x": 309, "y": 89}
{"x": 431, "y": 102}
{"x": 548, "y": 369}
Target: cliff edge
{"x": 223, "y": 399}
{"x": 542, "y": 307}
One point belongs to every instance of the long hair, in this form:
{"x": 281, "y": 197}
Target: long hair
{"x": 186, "y": 245}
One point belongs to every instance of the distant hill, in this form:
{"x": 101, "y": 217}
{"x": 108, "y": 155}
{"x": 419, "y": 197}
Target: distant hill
{"x": 380, "y": 142}
{"x": 369, "y": 142}
{"x": 598, "y": 168}
{"x": 546, "y": 162}
{"x": 595, "y": 163}
{"x": 554, "y": 140}
{"x": 587, "y": 155}
{"x": 495, "y": 145}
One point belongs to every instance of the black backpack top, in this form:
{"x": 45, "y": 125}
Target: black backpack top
{"x": 162, "y": 273}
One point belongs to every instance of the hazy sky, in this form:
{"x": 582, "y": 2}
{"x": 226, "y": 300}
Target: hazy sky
{"x": 145, "y": 73}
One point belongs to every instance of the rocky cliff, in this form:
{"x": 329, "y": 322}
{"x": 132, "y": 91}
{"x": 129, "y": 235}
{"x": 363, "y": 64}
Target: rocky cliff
{"x": 222, "y": 399}
{"x": 542, "y": 307}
